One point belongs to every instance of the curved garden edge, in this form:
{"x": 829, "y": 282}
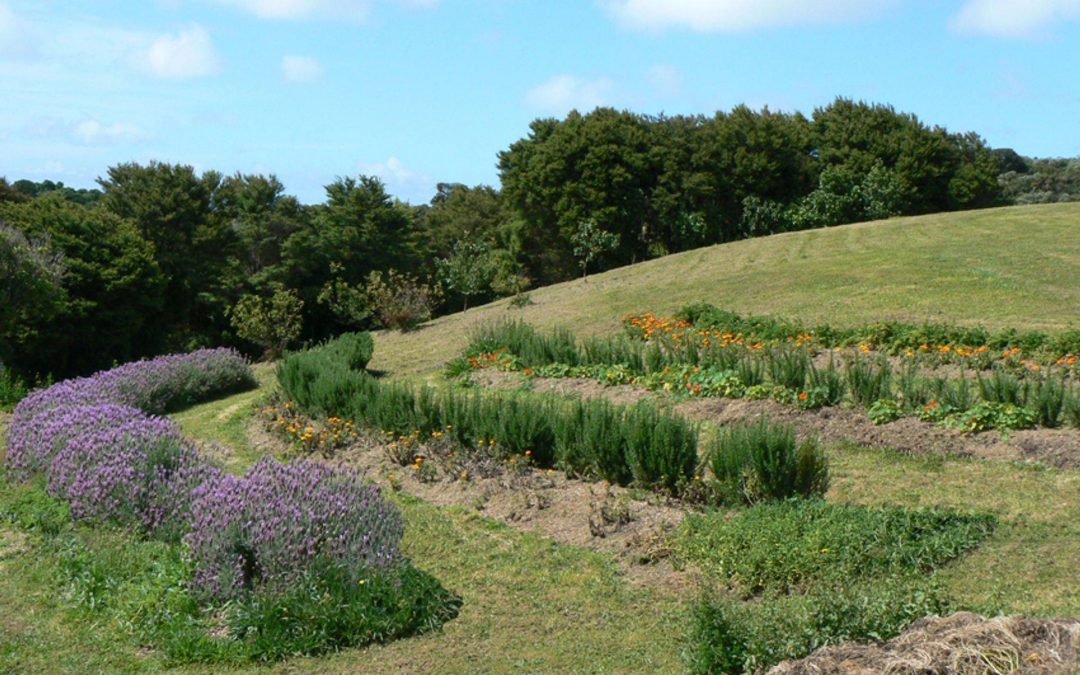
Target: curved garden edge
{"x": 1059, "y": 448}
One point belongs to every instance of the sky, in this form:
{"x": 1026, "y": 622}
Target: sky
{"x": 419, "y": 92}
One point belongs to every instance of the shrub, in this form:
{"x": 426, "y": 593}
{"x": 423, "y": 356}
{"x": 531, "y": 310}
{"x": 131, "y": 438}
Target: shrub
{"x": 827, "y": 383}
{"x": 280, "y": 522}
{"x": 1002, "y": 387}
{"x": 661, "y": 448}
{"x": 400, "y": 300}
{"x": 792, "y": 545}
{"x": 271, "y": 322}
{"x": 788, "y": 367}
{"x": 353, "y": 349}
{"x": 119, "y": 465}
{"x": 762, "y": 462}
{"x": 868, "y": 380}
{"x": 1046, "y": 398}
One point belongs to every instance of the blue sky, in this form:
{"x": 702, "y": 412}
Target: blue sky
{"x": 423, "y": 91}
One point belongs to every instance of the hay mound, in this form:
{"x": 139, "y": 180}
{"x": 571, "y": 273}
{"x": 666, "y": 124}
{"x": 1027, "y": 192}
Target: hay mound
{"x": 962, "y": 643}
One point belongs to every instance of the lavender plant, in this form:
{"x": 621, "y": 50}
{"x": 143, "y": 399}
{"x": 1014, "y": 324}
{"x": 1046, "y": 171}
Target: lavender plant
{"x": 277, "y": 523}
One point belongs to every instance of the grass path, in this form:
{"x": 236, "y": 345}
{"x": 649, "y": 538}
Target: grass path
{"x": 1009, "y": 267}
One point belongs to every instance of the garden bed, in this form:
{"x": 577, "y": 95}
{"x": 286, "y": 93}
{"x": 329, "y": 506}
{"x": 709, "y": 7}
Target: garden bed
{"x": 1059, "y": 448}
{"x": 633, "y": 525}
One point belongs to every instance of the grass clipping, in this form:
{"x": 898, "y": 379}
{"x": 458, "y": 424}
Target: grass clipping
{"x": 962, "y": 643}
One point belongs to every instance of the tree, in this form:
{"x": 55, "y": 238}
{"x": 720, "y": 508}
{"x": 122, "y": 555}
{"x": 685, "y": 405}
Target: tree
{"x": 468, "y": 270}
{"x": 112, "y": 305}
{"x": 272, "y": 322}
{"x": 31, "y": 272}
{"x": 590, "y": 242}
{"x": 347, "y": 302}
{"x": 173, "y": 208}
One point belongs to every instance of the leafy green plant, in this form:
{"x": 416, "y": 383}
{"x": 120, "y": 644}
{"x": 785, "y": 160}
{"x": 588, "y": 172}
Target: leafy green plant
{"x": 733, "y": 637}
{"x": 1046, "y": 398}
{"x": 788, "y": 367}
{"x": 884, "y": 410}
{"x": 791, "y": 545}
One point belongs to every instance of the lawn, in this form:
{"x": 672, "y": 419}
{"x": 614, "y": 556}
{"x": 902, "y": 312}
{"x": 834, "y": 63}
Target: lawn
{"x": 1008, "y": 267}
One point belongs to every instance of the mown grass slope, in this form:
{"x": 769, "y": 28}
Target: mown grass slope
{"x": 1007, "y": 267}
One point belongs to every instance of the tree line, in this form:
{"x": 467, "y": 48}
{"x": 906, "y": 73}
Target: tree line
{"x": 160, "y": 257}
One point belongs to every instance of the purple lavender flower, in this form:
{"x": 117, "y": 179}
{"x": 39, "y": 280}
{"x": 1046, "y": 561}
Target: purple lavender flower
{"x": 277, "y": 522}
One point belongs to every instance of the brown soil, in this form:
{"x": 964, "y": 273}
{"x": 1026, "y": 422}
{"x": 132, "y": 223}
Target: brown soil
{"x": 962, "y": 643}
{"x": 1054, "y": 447}
{"x": 634, "y": 526}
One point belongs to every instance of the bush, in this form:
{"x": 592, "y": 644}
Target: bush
{"x": 792, "y": 545}
{"x": 868, "y": 381}
{"x": 661, "y": 448}
{"x": 400, "y": 300}
{"x": 763, "y": 462}
{"x": 353, "y": 349}
{"x": 279, "y": 522}
{"x": 128, "y": 469}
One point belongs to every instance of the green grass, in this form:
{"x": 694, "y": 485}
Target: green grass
{"x": 1008, "y": 267}
{"x": 1027, "y": 566}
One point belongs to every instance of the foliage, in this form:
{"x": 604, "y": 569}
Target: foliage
{"x": 622, "y": 444}
{"x": 733, "y": 637}
{"x": 469, "y": 268}
{"x": 763, "y": 462}
{"x": 792, "y": 545}
{"x": 107, "y": 304}
{"x": 590, "y": 242}
{"x": 347, "y": 302}
{"x": 270, "y": 322}
{"x": 884, "y": 410}
{"x": 400, "y": 300}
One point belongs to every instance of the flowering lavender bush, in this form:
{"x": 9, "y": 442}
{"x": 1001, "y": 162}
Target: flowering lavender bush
{"x": 278, "y": 522}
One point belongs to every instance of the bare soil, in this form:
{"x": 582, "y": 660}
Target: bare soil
{"x": 962, "y": 643}
{"x": 633, "y": 525}
{"x": 1053, "y": 447}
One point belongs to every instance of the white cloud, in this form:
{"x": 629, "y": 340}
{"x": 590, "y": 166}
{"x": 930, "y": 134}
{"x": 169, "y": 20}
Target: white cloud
{"x": 707, "y": 16}
{"x": 666, "y": 80}
{"x": 1013, "y": 18}
{"x": 300, "y": 68}
{"x": 350, "y": 10}
{"x": 392, "y": 171}
{"x": 562, "y": 93}
{"x": 187, "y": 53}
{"x": 93, "y": 132}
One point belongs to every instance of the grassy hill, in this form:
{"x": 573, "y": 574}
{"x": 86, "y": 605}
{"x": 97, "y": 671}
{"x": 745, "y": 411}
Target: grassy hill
{"x": 1015, "y": 266}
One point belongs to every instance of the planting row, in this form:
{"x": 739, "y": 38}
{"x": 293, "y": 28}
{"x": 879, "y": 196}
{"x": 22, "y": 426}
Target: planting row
{"x": 1001, "y": 398}
{"x": 785, "y": 576}
{"x": 931, "y": 343}
{"x": 639, "y": 444}
{"x": 279, "y": 531}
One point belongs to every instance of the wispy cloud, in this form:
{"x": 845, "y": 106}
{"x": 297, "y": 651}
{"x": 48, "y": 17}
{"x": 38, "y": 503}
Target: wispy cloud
{"x": 300, "y": 68}
{"x": 730, "y": 16}
{"x": 666, "y": 80}
{"x": 1014, "y": 18}
{"x": 562, "y": 93}
{"x": 188, "y": 52}
{"x": 349, "y": 10}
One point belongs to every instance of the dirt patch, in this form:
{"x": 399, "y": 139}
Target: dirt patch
{"x": 960, "y": 643}
{"x": 635, "y": 526}
{"x": 1054, "y": 447}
